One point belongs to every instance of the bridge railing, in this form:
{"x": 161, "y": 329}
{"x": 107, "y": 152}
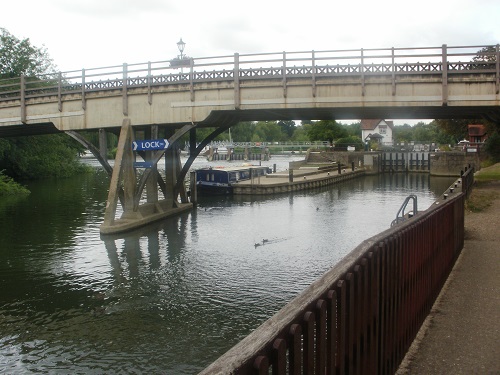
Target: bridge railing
{"x": 362, "y": 315}
{"x": 443, "y": 61}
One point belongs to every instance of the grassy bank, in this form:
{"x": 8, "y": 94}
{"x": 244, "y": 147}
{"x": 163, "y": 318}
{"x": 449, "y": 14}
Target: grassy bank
{"x": 486, "y": 189}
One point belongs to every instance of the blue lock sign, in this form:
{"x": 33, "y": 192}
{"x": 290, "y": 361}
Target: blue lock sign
{"x": 152, "y": 144}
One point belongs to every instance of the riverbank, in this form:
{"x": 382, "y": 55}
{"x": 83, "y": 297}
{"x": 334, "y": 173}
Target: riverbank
{"x": 461, "y": 334}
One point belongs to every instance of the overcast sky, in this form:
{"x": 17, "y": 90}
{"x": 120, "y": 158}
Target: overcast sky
{"x": 95, "y": 33}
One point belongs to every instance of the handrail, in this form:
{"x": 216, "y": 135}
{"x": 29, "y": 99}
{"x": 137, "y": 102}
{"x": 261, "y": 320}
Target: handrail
{"x": 401, "y": 216}
{"x": 377, "y": 61}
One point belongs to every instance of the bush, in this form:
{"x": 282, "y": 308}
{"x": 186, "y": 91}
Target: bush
{"x": 492, "y": 147}
{"x": 41, "y": 156}
{"x": 8, "y": 187}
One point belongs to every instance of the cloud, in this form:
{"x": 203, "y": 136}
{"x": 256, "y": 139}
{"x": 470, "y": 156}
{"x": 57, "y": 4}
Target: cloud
{"x": 92, "y": 33}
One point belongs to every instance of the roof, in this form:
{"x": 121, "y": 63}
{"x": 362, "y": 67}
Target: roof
{"x": 374, "y": 136}
{"x": 476, "y": 130}
{"x": 370, "y": 124}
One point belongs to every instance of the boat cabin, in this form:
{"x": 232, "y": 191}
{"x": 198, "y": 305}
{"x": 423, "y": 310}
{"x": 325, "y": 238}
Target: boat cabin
{"x": 220, "y": 180}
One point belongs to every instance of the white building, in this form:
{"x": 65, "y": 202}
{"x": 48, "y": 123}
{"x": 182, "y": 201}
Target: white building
{"x": 377, "y": 130}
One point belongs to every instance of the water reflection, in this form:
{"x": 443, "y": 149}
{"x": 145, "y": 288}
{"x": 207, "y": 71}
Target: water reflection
{"x": 173, "y": 296}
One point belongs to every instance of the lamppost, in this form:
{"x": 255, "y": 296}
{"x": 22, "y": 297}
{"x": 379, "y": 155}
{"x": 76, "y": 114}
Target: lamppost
{"x": 181, "y": 45}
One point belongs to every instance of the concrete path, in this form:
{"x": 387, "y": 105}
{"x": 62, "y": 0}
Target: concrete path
{"x": 462, "y": 333}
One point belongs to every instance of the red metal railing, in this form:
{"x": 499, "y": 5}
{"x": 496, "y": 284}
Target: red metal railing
{"x": 362, "y": 315}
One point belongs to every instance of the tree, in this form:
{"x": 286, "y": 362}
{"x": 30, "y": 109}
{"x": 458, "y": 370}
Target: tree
{"x": 456, "y": 128}
{"x": 300, "y": 134}
{"x": 41, "y": 156}
{"x": 243, "y": 131}
{"x": 353, "y": 141}
{"x": 326, "y": 130}
{"x": 492, "y": 147}
{"x": 403, "y": 134}
{"x": 353, "y": 129}
{"x": 288, "y": 127}
{"x": 485, "y": 58}
{"x": 33, "y": 157}
{"x": 268, "y": 131}
{"x": 19, "y": 57}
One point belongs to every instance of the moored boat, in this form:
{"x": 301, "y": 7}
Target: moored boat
{"x": 221, "y": 180}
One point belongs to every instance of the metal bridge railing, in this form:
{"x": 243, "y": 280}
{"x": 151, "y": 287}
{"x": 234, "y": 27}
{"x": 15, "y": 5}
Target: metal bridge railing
{"x": 424, "y": 61}
{"x": 362, "y": 315}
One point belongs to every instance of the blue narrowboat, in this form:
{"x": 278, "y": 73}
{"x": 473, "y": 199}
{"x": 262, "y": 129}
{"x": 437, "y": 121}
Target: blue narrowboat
{"x": 220, "y": 181}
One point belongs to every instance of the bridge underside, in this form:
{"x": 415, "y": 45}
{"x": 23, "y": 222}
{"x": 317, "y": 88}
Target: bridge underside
{"x": 229, "y": 118}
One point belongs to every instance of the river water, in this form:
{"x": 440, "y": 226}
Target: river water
{"x": 170, "y": 298}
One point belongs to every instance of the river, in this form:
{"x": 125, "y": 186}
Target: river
{"x": 172, "y": 297}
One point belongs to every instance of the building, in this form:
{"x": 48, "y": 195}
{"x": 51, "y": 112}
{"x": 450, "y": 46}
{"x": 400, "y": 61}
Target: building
{"x": 377, "y": 130}
{"x": 477, "y": 133}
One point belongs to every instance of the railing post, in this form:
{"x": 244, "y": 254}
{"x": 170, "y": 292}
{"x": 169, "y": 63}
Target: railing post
{"x": 191, "y": 73}
{"x": 362, "y": 72}
{"x": 59, "y": 92}
{"x": 83, "y": 89}
{"x": 124, "y": 90}
{"x": 22, "y": 89}
{"x": 393, "y": 68}
{"x": 284, "y": 74}
{"x": 313, "y": 72}
{"x": 444, "y": 71}
{"x": 150, "y": 96}
{"x": 236, "y": 81}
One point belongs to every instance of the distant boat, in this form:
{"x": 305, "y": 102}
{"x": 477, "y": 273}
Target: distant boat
{"x": 220, "y": 181}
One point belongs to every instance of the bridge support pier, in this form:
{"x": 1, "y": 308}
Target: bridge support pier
{"x": 124, "y": 184}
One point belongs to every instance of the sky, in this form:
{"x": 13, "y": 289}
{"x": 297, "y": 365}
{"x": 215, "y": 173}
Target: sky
{"x": 97, "y": 33}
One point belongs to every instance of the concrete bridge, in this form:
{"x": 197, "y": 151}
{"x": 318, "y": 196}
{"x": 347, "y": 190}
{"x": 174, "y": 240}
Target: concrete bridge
{"x": 157, "y": 101}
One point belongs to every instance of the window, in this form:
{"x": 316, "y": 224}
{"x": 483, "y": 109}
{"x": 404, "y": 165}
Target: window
{"x": 383, "y": 129}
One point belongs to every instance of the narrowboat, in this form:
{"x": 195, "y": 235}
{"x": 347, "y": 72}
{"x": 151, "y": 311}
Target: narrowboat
{"x": 220, "y": 181}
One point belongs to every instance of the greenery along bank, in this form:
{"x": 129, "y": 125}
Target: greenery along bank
{"x": 31, "y": 157}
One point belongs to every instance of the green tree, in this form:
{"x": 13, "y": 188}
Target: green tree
{"x": 492, "y": 147}
{"x": 19, "y": 57}
{"x": 352, "y": 140}
{"x": 268, "y": 131}
{"x": 353, "y": 129}
{"x": 243, "y": 131}
{"x": 326, "y": 130}
{"x": 33, "y": 157}
{"x": 41, "y": 156}
{"x": 287, "y": 127}
{"x": 300, "y": 134}
{"x": 403, "y": 134}
{"x": 9, "y": 187}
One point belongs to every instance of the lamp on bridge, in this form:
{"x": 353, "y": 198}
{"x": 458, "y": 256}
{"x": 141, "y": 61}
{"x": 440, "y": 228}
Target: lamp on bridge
{"x": 181, "y": 45}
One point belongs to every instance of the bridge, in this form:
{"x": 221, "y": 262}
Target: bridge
{"x": 140, "y": 101}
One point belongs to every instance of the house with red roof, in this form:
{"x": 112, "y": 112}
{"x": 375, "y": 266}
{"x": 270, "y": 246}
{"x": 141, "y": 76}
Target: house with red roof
{"x": 377, "y": 130}
{"x": 477, "y": 133}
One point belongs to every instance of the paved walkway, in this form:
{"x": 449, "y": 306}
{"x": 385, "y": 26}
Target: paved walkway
{"x": 462, "y": 333}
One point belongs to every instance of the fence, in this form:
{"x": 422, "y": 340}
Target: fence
{"x": 363, "y": 314}
{"x": 442, "y": 61}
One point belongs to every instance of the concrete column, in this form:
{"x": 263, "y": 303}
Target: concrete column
{"x": 103, "y": 144}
